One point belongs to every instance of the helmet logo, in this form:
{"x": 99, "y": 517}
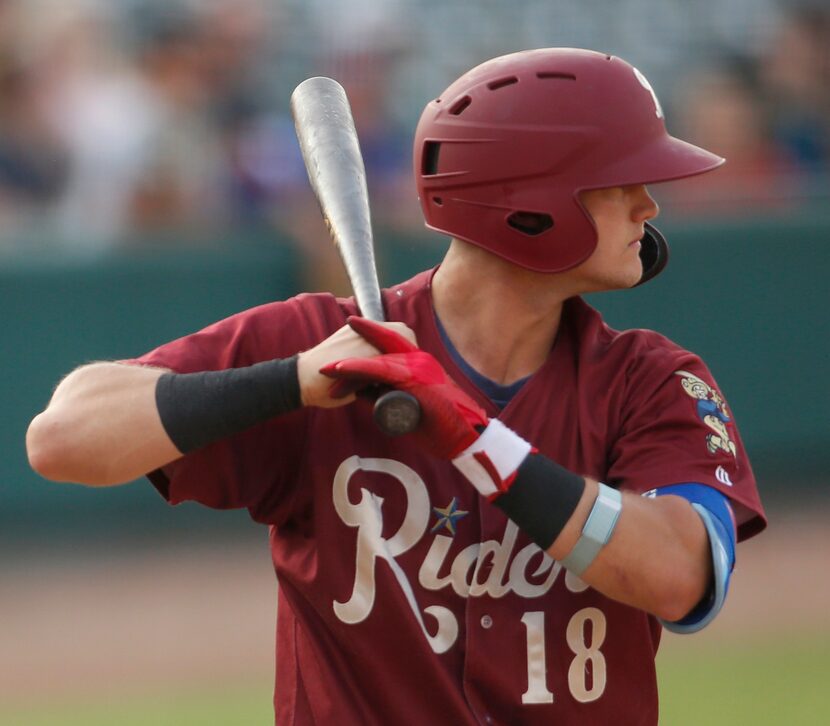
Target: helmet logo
{"x": 645, "y": 84}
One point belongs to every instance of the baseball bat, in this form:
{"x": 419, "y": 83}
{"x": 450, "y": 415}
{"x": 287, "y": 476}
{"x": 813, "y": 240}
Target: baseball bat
{"x": 331, "y": 151}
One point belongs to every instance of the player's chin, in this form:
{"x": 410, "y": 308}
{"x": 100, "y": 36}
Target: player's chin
{"x": 623, "y": 274}
{"x": 631, "y": 273}
{"x": 624, "y": 278}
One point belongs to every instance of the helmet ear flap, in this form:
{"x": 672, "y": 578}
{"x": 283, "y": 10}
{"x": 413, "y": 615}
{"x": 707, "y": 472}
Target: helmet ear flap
{"x": 654, "y": 253}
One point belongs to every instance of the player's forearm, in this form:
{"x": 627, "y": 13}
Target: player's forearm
{"x": 652, "y": 554}
{"x": 101, "y": 427}
{"x": 658, "y": 558}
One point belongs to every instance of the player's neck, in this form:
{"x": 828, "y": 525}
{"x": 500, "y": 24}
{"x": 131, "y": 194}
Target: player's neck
{"x": 501, "y": 318}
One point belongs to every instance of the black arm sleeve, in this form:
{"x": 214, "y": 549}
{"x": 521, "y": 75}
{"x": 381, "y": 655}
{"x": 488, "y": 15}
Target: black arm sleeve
{"x": 197, "y": 409}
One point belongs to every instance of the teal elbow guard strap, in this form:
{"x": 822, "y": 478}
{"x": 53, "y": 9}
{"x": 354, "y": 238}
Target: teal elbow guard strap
{"x": 597, "y": 531}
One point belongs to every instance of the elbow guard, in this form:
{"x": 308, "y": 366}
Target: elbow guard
{"x": 716, "y": 514}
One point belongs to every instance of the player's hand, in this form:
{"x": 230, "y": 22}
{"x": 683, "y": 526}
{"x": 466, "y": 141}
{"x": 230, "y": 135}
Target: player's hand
{"x": 315, "y": 388}
{"x": 450, "y": 419}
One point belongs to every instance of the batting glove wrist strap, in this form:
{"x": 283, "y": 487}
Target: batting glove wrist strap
{"x": 197, "y": 409}
{"x": 538, "y": 494}
{"x": 490, "y": 463}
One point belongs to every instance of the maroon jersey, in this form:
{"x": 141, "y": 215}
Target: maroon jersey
{"x": 405, "y": 597}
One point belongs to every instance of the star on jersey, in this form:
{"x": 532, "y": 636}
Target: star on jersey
{"x": 448, "y": 516}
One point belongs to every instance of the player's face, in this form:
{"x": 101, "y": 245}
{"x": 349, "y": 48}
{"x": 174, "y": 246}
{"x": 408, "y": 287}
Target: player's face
{"x": 619, "y": 214}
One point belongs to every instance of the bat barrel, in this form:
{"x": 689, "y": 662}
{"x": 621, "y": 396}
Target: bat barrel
{"x": 328, "y": 139}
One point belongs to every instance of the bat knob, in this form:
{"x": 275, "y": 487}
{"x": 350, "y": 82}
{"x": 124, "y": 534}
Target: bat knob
{"x": 397, "y": 413}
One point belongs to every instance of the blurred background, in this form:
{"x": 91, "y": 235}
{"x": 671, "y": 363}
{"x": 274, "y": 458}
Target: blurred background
{"x": 151, "y": 183}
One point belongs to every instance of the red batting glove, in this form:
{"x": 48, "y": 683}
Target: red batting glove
{"x": 449, "y": 416}
{"x": 453, "y": 426}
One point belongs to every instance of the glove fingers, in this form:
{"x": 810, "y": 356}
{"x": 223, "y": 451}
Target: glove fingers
{"x": 384, "y": 339}
{"x": 368, "y": 370}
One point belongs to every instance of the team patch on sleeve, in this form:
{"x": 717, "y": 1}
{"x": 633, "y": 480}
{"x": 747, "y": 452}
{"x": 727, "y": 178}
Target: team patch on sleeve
{"x": 712, "y": 411}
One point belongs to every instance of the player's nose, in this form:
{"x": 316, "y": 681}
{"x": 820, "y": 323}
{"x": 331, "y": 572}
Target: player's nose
{"x": 644, "y": 207}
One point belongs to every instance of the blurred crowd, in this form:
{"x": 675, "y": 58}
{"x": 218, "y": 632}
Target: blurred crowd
{"x": 769, "y": 115}
{"x": 140, "y": 122}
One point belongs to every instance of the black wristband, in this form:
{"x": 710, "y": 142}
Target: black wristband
{"x": 542, "y": 498}
{"x": 197, "y": 409}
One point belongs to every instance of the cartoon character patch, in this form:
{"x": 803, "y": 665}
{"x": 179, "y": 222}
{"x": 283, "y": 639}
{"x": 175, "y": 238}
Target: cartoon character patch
{"x": 711, "y": 408}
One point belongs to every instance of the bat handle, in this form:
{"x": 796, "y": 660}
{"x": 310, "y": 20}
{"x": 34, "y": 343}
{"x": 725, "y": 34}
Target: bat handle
{"x": 397, "y": 413}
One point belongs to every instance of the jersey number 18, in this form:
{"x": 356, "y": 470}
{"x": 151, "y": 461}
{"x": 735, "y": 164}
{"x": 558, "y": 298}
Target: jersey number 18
{"x": 585, "y": 653}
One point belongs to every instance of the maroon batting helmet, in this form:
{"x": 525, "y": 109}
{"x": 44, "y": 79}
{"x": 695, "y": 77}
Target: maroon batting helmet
{"x": 502, "y": 154}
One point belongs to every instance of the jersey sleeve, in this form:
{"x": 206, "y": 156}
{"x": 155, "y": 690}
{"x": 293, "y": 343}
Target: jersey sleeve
{"x": 676, "y": 427}
{"x": 254, "y": 469}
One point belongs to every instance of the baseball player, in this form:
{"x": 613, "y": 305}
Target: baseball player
{"x": 514, "y": 560}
